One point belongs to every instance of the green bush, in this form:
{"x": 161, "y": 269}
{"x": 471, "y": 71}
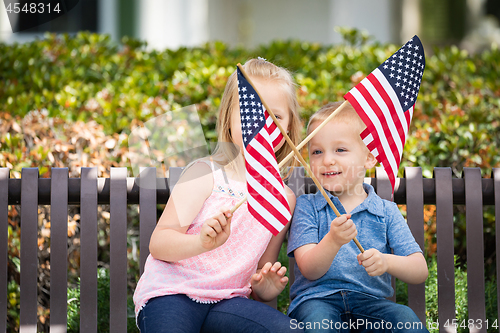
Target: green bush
{"x": 73, "y": 100}
{"x": 461, "y": 298}
{"x": 90, "y": 77}
{"x": 103, "y": 310}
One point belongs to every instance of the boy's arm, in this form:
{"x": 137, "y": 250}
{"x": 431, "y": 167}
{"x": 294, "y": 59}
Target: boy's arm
{"x": 410, "y": 269}
{"x": 314, "y": 260}
{"x": 407, "y": 263}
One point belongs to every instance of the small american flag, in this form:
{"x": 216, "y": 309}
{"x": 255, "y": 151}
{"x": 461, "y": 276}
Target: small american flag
{"x": 266, "y": 193}
{"x": 385, "y": 100}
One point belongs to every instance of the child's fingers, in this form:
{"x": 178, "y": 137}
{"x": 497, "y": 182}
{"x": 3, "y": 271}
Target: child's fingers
{"x": 266, "y": 268}
{"x": 256, "y": 277}
{"x": 227, "y": 227}
{"x": 209, "y": 231}
{"x": 226, "y": 212}
{"x": 281, "y": 271}
{"x": 215, "y": 224}
{"x": 348, "y": 226}
{"x": 221, "y": 218}
{"x": 340, "y": 220}
{"x": 276, "y": 266}
{"x": 353, "y": 233}
{"x": 366, "y": 255}
{"x": 367, "y": 259}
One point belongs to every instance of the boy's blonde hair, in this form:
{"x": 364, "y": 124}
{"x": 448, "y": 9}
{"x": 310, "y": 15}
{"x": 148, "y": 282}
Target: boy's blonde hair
{"x": 226, "y": 154}
{"x": 347, "y": 115}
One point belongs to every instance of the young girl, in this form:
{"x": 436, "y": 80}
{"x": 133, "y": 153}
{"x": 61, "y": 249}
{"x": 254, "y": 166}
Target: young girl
{"x": 205, "y": 262}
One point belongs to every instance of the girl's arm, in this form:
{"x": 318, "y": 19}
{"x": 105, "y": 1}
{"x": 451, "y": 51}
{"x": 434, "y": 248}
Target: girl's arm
{"x": 409, "y": 269}
{"x": 169, "y": 241}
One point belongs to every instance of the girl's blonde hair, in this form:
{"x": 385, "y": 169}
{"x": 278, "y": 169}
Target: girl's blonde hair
{"x": 226, "y": 153}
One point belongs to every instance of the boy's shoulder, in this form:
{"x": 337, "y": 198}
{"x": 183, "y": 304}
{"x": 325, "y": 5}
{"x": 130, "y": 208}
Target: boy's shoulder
{"x": 307, "y": 203}
{"x": 377, "y": 205}
{"x": 308, "y": 199}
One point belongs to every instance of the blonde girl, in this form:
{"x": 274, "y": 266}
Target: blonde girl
{"x": 205, "y": 262}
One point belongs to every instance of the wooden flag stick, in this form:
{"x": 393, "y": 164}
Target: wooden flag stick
{"x": 297, "y": 153}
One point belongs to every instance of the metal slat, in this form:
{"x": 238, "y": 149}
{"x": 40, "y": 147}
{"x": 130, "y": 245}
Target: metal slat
{"x": 118, "y": 250}
{"x": 147, "y": 211}
{"x": 475, "y": 245}
{"x": 4, "y": 241}
{"x": 174, "y": 173}
{"x": 495, "y": 175}
{"x": 88, "y": 251}
{"x": 297, "y": 184}
{"x": 384, "y": 190}
{"x": 415, "y": 218}
{"x": 29, "y": 251}
{"x": 445, "y": 246}
{"x": 59, "y": 250}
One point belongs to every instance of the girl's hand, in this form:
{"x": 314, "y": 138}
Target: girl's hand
{"x": 373, "y": 261}
{"x": 269, "y": 282}
{"x": 216, "y": 230}
{"x": 342, "y": 230}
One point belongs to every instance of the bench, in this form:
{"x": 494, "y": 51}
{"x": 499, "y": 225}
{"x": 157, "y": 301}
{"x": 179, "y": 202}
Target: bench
{"x": 118, "y": 191}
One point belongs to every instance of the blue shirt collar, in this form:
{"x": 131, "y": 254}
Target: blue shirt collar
{"x": 373, "y": 203}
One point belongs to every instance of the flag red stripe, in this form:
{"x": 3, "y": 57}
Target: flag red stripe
{"x": 263, "y": 221}
{"x": 267, "y": 206}
{"x": 392, "y": 110}
{"x": 256, "y": 154}
{"x": 271, "y": 128}
{"x": 390, "y": 174}
{"x": 408, "y": 115}
{"x": 381, "y": 158}
{"x": 268, "y": 186}
{"x": 380, "y": 115}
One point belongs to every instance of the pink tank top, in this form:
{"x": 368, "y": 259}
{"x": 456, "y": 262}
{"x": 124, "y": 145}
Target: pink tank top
{"x": 222, "y": 273}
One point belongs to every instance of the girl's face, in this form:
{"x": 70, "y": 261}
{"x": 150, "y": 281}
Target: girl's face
{"x": 276, "y": 99}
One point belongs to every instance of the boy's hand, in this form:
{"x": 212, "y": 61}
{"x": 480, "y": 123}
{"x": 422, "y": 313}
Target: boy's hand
{"x": 342, "y": 230}
{"x": 216, "y": 230}
{"x": 373, "y": 261}
{"x": 270, "y": 281}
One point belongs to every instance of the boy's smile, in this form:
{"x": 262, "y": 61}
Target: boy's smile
{"x": 329, "y": 174}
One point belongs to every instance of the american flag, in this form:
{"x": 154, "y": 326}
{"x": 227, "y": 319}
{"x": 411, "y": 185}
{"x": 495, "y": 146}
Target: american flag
{"x": 385, "y": 100}
{"x": 266, "y": 193}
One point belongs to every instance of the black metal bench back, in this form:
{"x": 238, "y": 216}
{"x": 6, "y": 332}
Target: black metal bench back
{"x": 118, "y": 191}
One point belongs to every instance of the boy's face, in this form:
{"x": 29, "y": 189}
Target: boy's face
{"x": 339, "y": 159}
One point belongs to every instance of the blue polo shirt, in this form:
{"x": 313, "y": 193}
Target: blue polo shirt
{"x": 380, "y": 225}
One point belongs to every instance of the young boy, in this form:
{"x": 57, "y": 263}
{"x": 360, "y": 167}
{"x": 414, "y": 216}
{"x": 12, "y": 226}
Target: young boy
{"x": 337, "y": 288}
